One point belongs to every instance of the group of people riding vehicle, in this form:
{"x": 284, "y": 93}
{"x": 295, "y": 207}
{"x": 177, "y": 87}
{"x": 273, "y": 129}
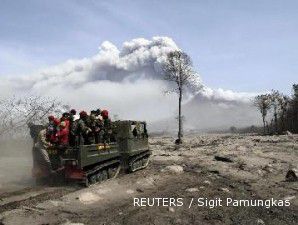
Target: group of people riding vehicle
{"x": 72, "y": 130}
{"x": 88, "y": 145}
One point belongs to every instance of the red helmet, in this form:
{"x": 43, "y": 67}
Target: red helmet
{"x": 51, "y": 118}
{"x": 56, "y": 122}
{"x": 104, "y": 113}
{"x": 83, "y": 114}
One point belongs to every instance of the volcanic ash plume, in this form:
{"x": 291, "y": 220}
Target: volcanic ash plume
{"x": 128, "y": 81}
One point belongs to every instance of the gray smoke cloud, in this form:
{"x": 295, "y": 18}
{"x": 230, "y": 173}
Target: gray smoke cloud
{"x": 127, "y": 81}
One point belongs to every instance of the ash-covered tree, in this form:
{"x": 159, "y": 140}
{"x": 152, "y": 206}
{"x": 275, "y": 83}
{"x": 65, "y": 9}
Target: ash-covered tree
{"x": 295, "y": 108}
{"x": 284, "y": 102}
{"x": 178, "y": 69}
{"x": 263, "y": 103}
{"x": 275, "y": 97}
{"x": 291, "y": 113}
{"x": 17, "y": 112}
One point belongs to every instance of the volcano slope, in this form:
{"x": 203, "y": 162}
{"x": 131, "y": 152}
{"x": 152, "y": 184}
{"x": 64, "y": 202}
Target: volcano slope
{"x": 240, "y": 167}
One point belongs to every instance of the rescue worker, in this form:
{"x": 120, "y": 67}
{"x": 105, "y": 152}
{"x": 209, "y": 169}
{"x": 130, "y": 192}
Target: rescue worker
{"x": 42, "y": 166}
{"x": 53, "y": 138}
{"x": 73, "y": 123}
{"x": 62, "y": 136}
{"x": 65, "y": 117}
{"x": 73, "y": 115}
{"x": 96, "y": 127}
{"x": 83, "y": 129}
{"x": 135, "y": 132}
{"x": 51, "y": 118}
{"x": 98, "y": 114}
{"x": 51, "y": 130}
{"x": 107, "y": 126}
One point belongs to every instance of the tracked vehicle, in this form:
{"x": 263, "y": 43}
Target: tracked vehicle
{"x": 93, "y": 163}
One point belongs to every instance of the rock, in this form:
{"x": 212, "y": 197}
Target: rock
{"x": 225, "y": 190}
{"x": 178, "y": 141}
{"x": 223, "y": 159}
{"x": 146, "y": 182}
{"x": 71, "y": 223}
{"x": 291, "y": 175}
{"x": 178, "y": 221}
{"x": 89, "y": 198}
{"x": 232, "y": 186}
{"x": 241, "y": 148}
{"x": 139, "y": 190}
{"x": 288, "y": 133}
{"x": 192, "y": 189}
{"x": 207, "y": 182}
{"x": 129, "y": 191}
{"x": 268, "y": 168}
{"x": 260, "y": 172}
{"x": 290, "y": 197}
{"x": 171, "y": 209}
{"x": 242, "y": 166}
{"x": 261, "y": 222}
{"x": 173, "y": 168}
{"x": 214, "y": 171}
{"x": 56, "y": 203}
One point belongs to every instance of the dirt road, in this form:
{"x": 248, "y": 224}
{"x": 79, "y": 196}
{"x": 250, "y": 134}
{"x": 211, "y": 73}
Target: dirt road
{"x": 203, "y": 170}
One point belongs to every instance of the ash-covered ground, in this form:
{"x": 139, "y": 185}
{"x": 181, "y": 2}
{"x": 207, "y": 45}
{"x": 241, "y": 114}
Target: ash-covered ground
{"x": 207, "y": 166}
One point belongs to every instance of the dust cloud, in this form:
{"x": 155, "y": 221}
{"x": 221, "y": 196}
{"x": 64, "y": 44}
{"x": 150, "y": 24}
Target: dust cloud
{"x": 15, "y": 164}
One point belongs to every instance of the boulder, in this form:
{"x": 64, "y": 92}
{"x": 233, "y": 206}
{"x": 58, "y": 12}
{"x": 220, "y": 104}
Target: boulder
{"x": 174, "y": 169}
{"x": 223, "y": 158}
{"x": 291, "y": 175}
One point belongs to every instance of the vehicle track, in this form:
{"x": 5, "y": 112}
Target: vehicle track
{"x": 31, "y": 196}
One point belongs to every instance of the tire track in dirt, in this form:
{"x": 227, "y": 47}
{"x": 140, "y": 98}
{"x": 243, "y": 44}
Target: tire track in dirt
{"x": 33, "y": 199}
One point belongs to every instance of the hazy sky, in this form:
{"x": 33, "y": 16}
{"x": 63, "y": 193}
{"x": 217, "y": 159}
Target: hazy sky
{"x": 240, "y": 45}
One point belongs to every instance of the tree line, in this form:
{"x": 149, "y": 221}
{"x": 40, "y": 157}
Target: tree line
{"x": 279, "y": 112}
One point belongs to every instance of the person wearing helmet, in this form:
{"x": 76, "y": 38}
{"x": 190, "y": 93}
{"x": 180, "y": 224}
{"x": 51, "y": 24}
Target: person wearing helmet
{"x": 107, "y": 125}
{"x": 73, "y": 115}
{"x": 42, "y": 166}
{"x": 96, "y": 126}
{"x": 73, "y": 123}
{"x": 73, "y": 112}
{"x": 98, "y": 114}
{"x": 51, "y": 118}
{"x": 83, "y": 128}
{"x": 66, "y": 117}
{"x": 62, "y": 136}
{"x": 51, "y": 129}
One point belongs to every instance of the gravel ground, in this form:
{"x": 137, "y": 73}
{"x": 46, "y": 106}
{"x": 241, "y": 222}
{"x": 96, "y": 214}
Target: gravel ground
{"x": 211, "y": 167}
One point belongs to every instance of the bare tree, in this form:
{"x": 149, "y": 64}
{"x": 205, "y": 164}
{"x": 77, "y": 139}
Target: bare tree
{"x": 284, "y": 102}
{"x": 263, "y": 103}
{"x": 17, "y": 112}
{"x": 275, "y": 97}
{"x": 294, "y": 106}
{"x": 178, "y": 69}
